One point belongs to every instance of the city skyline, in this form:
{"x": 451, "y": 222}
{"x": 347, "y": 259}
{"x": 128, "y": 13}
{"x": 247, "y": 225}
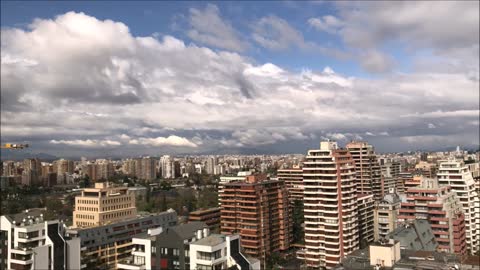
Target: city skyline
{"x": 92, "y": 79}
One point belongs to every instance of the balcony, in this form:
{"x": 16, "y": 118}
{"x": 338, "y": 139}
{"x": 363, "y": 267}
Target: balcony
{"x": 22, "y": 262}
{"x": 422, "y": 198}
{"x": 436, "y": 212}
{"x": 129, "y": 264}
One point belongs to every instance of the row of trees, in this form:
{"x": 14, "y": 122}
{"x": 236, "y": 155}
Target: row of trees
{"x": 182, "y": 201}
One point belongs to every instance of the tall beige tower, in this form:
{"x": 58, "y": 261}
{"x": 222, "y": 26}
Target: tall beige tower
{"x": 368, "y": 172}
{"x": 330, "y": 205}
{"x": 293, "y": 178}
{"x": 102, "y": 205}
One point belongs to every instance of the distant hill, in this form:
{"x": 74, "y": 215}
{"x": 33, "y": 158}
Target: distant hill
{"x": 21, "y": 155}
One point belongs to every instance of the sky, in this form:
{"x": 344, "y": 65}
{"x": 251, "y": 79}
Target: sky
{"x": 152, "y": 78}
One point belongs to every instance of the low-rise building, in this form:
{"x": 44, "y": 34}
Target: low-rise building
{"x": 165, "y": 249}
{"x": 415, "y": 235}
{"x": 102, "y": 247}
{"x": 219, "y": 251}
{"x": 383, "y": 254}
{"x": 104, "y": 204}
{"x": 30, "y": 242}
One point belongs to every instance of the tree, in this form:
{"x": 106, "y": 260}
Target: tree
{"x": 85, "y": 182}
{"x": 11, "y": 207}
{"x": 161, "y": 203}
{"x": 207, "y": 198}
{"x": 274, "y": 260}
{"x": 164, "y": 185}
{"x": 298, "y": 219}
{"x": 54, "y": 204}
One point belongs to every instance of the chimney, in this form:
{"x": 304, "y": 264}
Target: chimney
{"x": 199, "y": 234}
{"x": 206, "y": 232}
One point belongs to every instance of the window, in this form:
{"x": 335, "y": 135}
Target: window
{"x": 176, "y": 252}
{"x": 209, "y": 256}
{"x": 203, "y": 267}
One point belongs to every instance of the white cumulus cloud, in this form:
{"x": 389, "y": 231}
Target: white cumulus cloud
{"x": 171, "y": 140}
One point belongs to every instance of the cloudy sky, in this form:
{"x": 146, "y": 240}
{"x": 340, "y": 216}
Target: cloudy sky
{"x": 135, "y": 78}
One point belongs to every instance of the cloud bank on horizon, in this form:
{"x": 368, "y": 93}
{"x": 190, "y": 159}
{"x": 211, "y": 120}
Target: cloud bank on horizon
{"x": 84, "y": 84}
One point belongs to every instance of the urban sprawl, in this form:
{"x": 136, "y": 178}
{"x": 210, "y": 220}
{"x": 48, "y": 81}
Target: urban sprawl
{"x": 331, "y": 208}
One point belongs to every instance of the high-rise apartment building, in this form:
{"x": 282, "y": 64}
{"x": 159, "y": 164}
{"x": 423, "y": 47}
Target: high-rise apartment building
{"x": 390, "y": 174}
{"x": 64, "y": 166}
{"x": 128, "y": 167}
{"x": 210, "y": 165}
{"x": 456, "y": 174}
{"x": 385, "y": 215}
{"x": 103, "y": 170}
{"x": 440, "y": 206}
{"x": 149, "y": 171}
{"x": 167, "y": 167}
{"x": 293, "y": 178}
{"x": 103, "y": 204}
{"x": 331, "y": 217}
{"x": 9, "y": 168}
{"x": 403, "y": 178}
{"x": 367, "y": 168}
{"x": 365, "y": 207}
{"x": 258, "y": 210}
{"x": 31, "y": 172}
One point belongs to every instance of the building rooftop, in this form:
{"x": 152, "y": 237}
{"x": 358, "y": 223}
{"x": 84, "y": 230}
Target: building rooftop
{"x": 211, "y": 240}
{"x": 417, "y": 235}
{"x": 28, "y": 214}
{"x": 120, "y": 222}
{"x": 410, "y": 260}
{"x": 186, "y": 231}
{"x": 207, "y": 210}
{"x": 391, "y": 198}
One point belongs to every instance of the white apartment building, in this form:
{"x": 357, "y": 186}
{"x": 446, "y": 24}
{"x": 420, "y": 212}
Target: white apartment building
{"x": 330, "y": 206}
{"x": 203, "y": 251}
{"x": 30, "y": 242}
{"x": 218, "y": 251}
{"x": 167, "y": 167}
{"x": 456, "y": 174}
